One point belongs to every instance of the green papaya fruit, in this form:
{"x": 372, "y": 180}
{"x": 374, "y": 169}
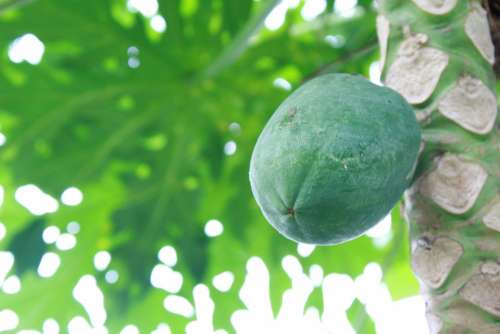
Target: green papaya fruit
{"x": 334, "y": 159}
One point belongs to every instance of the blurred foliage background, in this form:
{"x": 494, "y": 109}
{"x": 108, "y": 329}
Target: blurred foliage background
{"x": 150, "y": 110}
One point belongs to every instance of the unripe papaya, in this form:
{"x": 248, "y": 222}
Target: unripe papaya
{"x": 334, "y": 159}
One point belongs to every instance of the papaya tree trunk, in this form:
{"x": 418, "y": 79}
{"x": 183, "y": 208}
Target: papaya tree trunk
{"x": 439, "y": 55}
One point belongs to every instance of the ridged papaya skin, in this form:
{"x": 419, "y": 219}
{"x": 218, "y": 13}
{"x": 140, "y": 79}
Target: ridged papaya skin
{"x": 334, "y": 159}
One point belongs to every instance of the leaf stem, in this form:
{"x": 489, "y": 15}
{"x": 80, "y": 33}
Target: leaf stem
{"x": 11, "y": 4}
{"x": 231, "y": 53}
{"x": 370, "y": 46}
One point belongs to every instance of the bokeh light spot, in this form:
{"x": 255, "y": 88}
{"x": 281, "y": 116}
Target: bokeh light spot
{"x": 213, "y": 228}
{"x": 72, "y": 196}
{"x": 27, "y": 48}
{"x": 223, "y": 281}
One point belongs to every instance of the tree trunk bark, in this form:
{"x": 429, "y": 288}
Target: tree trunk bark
{"x": 439, "y": 54}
